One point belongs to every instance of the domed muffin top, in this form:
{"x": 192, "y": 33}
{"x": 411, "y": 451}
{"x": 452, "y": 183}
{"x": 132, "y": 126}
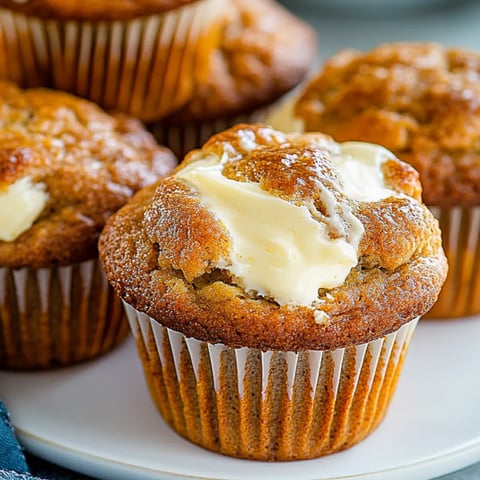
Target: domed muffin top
{"x": 420, "y": 100}
{"x": 264, "y": 51}
{"x": 65, "y": 166}
{"x": 279, "y": 241}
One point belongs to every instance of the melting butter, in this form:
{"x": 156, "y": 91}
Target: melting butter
{"x": 20, "y": 205}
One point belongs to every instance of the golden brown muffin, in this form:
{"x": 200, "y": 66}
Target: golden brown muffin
{"x": 65, "y": 167}
{"x": 90, "y": 163}
{"x": 171, "y": 255}
{"x": 92, "y": 9}
{"x": 264, "y": 52}
{"x": 419, "y": 100}
{"x": 141, "y": 58}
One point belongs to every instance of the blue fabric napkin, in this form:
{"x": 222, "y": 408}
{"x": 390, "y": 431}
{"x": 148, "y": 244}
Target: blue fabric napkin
{"x": 13, "y": 462}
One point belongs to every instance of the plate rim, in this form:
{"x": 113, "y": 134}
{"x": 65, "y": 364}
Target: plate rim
{"x": 35, "y": 445}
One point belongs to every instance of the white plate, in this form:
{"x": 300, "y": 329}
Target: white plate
{"x": 98, "y": 419}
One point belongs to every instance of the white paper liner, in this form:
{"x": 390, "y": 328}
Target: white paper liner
{"x": 146, "y": 67}
{"x": 182, "y": 138}
{"x": 269, "y": 405}
{"x": 52, "y": 317}
{"x": 460, "y": 295}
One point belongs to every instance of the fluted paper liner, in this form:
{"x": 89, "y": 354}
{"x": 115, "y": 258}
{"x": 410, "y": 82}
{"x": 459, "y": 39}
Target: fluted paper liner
{"x": 460, "y": 295}
{"x": 53, "y": 317}
{"x": 182, "y": 138}
{"x": 268, "y": 405}
{"x": 146, "y": 67}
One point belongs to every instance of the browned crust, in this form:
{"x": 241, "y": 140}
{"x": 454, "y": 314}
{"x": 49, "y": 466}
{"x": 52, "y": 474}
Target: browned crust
{"x": 264, "y": 52}
{"x": 92, "y": 9}
{"x": 91, "y": 163}
{"x": 159, "y": 253}
{"x": 420, "y": 100}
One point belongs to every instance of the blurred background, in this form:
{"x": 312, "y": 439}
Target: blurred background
{"x": 363, "y": 24}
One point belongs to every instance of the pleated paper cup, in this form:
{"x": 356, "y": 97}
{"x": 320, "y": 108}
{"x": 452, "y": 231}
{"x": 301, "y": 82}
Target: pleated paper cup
{"x": 146, "y": 67}
{"x": 460, "y": 295}
{"x": 53, "y": 317}
{"x": 181, "y": 138}
{"x": 270, "y": 405}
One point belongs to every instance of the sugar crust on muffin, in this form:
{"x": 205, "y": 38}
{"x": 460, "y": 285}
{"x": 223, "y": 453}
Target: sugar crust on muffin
{"x": 161, "y": 252}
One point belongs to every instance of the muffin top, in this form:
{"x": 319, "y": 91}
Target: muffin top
{"x": 264, "y": 52}
{"x": 276, "y": 241}
{"x": 92, "y": 9}
{"x": 65, "y": 166}
{"x": 420, "y": 100}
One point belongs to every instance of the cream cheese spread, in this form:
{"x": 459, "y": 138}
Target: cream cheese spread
{"x": 360, "y": 167}
{"x": 21, "y": 203}
{"x": 279, "y": 249}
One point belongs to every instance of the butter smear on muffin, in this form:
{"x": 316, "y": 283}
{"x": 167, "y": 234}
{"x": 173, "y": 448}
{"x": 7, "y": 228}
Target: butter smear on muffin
{"x": 271, "y": 235}
{"x": 20, "y": 205}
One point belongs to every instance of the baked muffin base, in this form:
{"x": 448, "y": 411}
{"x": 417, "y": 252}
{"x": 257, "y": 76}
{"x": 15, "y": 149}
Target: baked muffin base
{"x": 460, "y": 295}
{"x": 146, "y": 66}
{"x": 57, "y": 317}
{"x": 269, "y": 405}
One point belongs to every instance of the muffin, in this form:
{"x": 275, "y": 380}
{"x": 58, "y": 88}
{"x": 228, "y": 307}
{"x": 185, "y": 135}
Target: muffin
{"x": 272, "y": 297}
{"x": 143, "y": 57}
{"x": 65, "y": 166}
{"x": 264, "y": 53}
{"x": 420, "y": 100}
